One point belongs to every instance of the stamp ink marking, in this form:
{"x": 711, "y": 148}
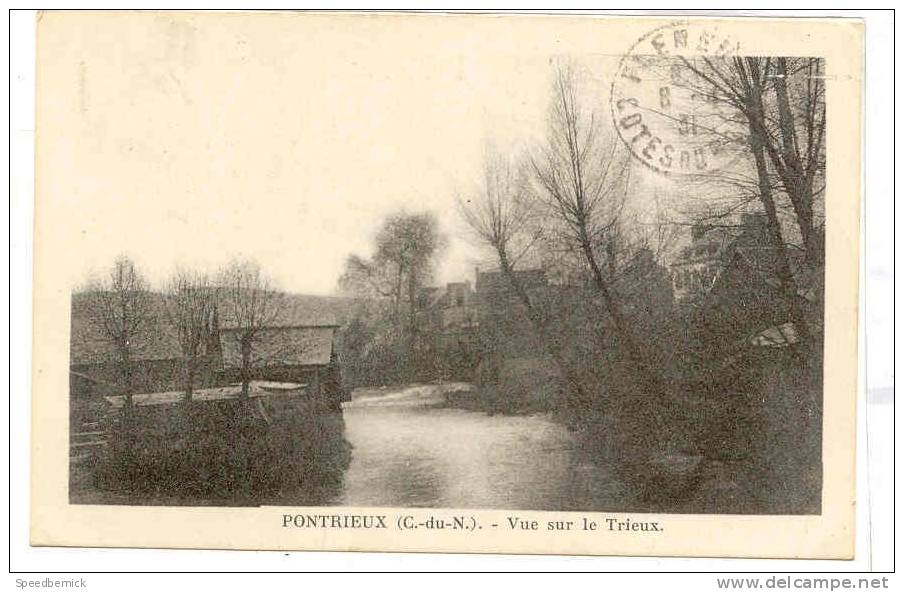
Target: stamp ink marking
{"x": 665, "y": 123}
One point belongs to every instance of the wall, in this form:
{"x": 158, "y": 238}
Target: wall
{"x": 148, "y": 376}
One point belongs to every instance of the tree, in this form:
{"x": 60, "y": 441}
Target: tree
{"x": 371, "y": 279}
{"x": 502, "y": 216}
{"x": 582, "y": 173}
{"x": 248, "y": 304}
{"x": 405, "y": 252}
{"x": 799, "y": 87}
{"x": 190, "y": 305}
{"x": 409, "y": 244}
{"x": 389, "y": 284}
{"x": 759, "y": 92}
{"x": 123, "y": 311}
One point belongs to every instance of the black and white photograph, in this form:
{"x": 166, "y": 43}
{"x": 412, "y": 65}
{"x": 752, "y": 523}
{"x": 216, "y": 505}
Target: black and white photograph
{"x": 427, "y": 262}
{"x": 641, "y": 329}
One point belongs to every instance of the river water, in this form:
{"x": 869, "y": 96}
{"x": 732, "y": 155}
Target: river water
{"x": 412, "y": 450}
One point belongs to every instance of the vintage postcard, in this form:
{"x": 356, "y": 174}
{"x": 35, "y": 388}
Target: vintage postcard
{"x": 485, "y": 283}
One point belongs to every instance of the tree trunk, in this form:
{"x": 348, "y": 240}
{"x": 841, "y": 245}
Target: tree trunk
{"x": 126, "y": 373}
{"x": 649, "y": 376}
{"x": 246, "y": 367}
{"x": 797, "y": 183}
{"x": 412, "y": 311}
{"x": 785, "y": 275}
{"x": 189, "y": 378}
{"x": 397, "y": 300}
{"x": 540, "y": 327}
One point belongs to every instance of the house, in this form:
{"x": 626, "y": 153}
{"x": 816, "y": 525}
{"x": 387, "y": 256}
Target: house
{"x": 449, "y": 317}
{"x": 740, "y": 299}
{"x": 493, "y": 288}
{"x": 304, "y": 354}
{"x": 297, "y": 346}
{"x": 712, "y": 247}
{"x": 698, "y": 264}
{"x": 94, "y": 368}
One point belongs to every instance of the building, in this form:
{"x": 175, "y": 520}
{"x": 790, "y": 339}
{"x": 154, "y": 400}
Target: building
{"x": 94, "y": 368}
{"x": 698, "y": 265}
{"x": 740, "y": 299}
{"x": 458, "y": 308}
{"x": 298, "y": 346}
{"x": 493, "y": 289}
{"x": 695, "y": 269}
{"x": 303, "y": 354}
{"x": 462, "y": 323}
{"x": 451, "y": 321}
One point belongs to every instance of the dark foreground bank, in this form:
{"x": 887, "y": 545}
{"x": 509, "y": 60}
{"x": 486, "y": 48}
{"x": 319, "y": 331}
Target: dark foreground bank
{"x": 231, "y": 452}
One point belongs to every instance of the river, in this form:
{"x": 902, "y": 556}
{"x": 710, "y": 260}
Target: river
{"x": 410, "y": 449}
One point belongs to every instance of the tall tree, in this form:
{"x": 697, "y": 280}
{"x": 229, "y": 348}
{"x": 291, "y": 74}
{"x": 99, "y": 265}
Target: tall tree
{"x": 247, "y": 303}
{"x": 799, "y": 158}
{"x": 405, "y": 253}
{"x": 758, "y": 91}
{"x": 371, "y": 279}
{"x": 782, "y": 100}
{"x": 190, "y": 305}
{"x": 409, "y": 243}
{"x": 582, "y": 172}
{"x": 123, "y": 312}
{"x": 503, "y": 217}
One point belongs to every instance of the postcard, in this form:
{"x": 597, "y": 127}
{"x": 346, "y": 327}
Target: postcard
{"x": 438, "y": 282}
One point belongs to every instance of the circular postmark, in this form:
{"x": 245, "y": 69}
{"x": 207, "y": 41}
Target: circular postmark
{"x": 666, "y": 107}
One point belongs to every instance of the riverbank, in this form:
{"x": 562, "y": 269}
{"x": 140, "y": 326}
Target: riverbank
{"x": 515, "y": 386}
{"x": 222, "y": 453}
{"x": 454, "y": 395}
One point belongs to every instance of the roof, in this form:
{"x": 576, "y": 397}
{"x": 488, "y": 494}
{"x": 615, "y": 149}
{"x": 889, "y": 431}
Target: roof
{"x": 158, "y": 339}
{"x": 495, "y": 281}
{"x": 745, "y": 300}
{"x": 88, "y": 344}
{"x": 281, "y": 346}
{"x": 300, "y": 310}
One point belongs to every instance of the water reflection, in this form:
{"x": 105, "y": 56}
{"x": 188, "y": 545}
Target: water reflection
{"x": 411, "y": 451}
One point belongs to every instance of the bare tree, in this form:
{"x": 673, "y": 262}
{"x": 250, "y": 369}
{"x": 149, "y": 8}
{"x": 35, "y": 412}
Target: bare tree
{"x": 583, "y": 174}
{"x": 799, "y": 157}
{"x": 746, "y": 85}
{"x": 190, "y": 305}
{"x": 502, "y": 216}
{"x": 123, "y": 311}
{"x": 373, "y": 279}
{"x": 248, "y": 304}
{"x": 782, "y": 101}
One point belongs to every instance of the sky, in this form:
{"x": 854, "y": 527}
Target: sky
{"x": 184, "y": 140}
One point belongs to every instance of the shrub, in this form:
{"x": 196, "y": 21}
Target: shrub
{"x": 226, "y": 451}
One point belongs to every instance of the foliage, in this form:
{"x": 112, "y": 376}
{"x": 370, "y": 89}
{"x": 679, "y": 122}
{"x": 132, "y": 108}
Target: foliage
{"x": 225, "y": 451}
{"x": 385, "y": 340}
{"x": 247, "y": 303}
{"x": 633, "y": 378}
{"x": 123, "y": 312}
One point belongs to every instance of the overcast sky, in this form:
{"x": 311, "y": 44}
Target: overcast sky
{"x": 187, "y": 139}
